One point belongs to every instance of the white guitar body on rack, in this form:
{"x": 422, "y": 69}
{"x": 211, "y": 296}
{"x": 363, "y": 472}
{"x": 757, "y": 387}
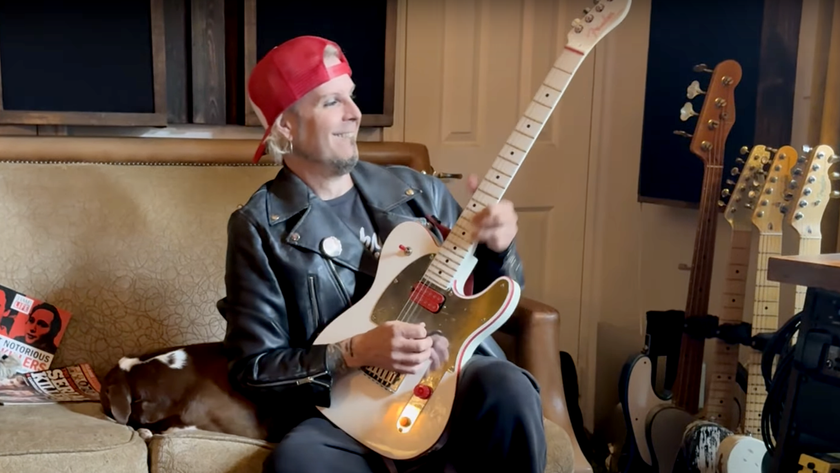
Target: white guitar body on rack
{"x": 418, "y": 280}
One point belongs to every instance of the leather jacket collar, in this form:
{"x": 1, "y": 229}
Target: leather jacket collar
{"x": 288, "y": 196}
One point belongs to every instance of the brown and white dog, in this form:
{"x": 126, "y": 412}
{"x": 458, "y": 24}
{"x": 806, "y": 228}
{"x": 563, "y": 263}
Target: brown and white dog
{"x": 178, "y": 388}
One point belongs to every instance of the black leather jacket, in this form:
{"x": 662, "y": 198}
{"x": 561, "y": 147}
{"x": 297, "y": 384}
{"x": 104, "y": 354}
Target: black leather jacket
{"x": 282, "y": 290}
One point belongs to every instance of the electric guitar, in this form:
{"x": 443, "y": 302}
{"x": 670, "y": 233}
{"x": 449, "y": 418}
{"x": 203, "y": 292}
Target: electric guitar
{"x": 722, "y": 414}
{"x": 402, "y": 416}
{"x": 801, "y": 208}
{"x": 656, "y": 424}
{"x": 749, "y": 449}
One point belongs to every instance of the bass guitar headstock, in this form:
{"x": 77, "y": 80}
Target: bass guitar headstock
{"x": 767, "y": 216}
{"x": 717, "y": 115}
{"x": 810, "y": 189}
{"x": 744, "y": 194}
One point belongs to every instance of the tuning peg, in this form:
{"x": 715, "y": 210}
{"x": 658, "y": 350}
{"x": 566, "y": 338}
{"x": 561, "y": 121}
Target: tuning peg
{"x": 806, "y": 148}
{"x": 772, "y": 150}
{"x": 683, "y": 134}
{"x": 702, "y": 68}
{"x": 745, "y": 149}
{"x": 687, "y": 111}
{"x": 721, "y": 203}
{"x": 783, "y": 208}
{"x": 694, "y": 90}
{"x": 577, "y": 25}
{"x": 833, "y": 159}
{"x": 740, "y": 160}
{"x": 735, "y": 171}
{"x": 835, "y": 194}
{"x": 834, "y": 176}
{"x": 730, "y": 182}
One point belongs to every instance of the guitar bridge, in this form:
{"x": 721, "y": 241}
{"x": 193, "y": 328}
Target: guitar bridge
{"x": 389, "y": 380}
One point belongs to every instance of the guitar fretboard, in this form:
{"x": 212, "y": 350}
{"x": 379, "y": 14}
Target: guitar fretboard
{"x": 687, "y": 384}
{"x": 721, "y": 403}
{"x": 460, "y": 242}
{"x": 765, "y": 319}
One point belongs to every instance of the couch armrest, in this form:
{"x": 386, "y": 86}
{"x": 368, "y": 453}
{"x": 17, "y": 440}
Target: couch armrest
{"x": 536, "y": 329}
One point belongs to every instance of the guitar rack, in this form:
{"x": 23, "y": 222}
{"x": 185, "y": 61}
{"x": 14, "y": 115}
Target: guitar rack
{"x": 798, "y": 415}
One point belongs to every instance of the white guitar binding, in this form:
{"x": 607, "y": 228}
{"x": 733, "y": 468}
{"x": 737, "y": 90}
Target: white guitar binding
{"x": 403, "y": 416}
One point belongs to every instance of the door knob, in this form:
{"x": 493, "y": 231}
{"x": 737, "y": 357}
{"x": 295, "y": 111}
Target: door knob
{"x": 447, "y": 175}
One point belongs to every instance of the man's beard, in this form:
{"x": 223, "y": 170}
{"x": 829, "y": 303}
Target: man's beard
{"x": 341, "y": 167}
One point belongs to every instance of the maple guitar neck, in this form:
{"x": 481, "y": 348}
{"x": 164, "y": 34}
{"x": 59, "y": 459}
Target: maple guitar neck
{"x": 687, "y": 384}
{"x": 720, "y": 404}
{"x": 765, "y": 319}
{"x": 459, "y": 243}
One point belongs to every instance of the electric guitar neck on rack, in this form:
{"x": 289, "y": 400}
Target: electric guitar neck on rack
{"x": 714, "y": 123}
{"x": 656, "y": 423}
{"x": 722, "y": 412}
{"x": 745, "y": 453}
{"x": 805, "y": 204}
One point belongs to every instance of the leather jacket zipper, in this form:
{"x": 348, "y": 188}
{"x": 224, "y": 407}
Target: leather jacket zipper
{"x": 343, "y": 290}
{"x": 299, "y": 381}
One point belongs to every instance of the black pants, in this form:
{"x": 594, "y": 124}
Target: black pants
{"x": 496, "y": 425}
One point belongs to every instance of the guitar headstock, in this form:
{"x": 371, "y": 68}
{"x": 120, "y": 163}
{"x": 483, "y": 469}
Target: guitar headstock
{"x": 717, "y": 115}
{"x": 596, "y": 23}
{"x": 810, "y": 189}
{"x": 744, "y": 194}
{"x": 767, "y": 216}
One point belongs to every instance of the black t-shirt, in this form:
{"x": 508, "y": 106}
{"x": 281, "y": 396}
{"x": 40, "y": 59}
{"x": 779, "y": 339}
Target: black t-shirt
{"x": 350, "y": 208}
{"x": 352, "y": 211}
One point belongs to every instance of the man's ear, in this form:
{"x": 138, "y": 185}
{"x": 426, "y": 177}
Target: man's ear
{"x": 286, "y": 123}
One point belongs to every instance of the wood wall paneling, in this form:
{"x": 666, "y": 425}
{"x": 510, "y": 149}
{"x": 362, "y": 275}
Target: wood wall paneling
{"x": 207, "y": 23}
{"x": 177, "y": 83}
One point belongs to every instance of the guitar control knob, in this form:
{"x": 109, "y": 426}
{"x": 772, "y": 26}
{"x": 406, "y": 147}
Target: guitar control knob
{"x": 422, "y": 391}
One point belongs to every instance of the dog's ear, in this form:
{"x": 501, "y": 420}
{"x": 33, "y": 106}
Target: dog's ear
{"x": 116, "y": 399}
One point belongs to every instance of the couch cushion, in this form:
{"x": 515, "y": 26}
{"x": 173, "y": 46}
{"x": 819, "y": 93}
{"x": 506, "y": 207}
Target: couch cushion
{"x": 210, "y": 452}
{"x": 67, "y": 437}
{"x": 135, "y": 253}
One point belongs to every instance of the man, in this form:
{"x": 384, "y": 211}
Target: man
{"x": 304, "y": 248}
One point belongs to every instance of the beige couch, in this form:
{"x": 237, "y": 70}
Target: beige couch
{"x": 136, "y": 252}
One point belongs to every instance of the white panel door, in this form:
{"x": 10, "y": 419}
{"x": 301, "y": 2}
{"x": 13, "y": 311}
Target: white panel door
{"x": 471, "y": 69}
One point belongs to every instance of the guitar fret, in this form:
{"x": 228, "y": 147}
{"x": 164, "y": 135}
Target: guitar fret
{"x": 558, "y": 79}
{"x": 512, "y": 154}
{"x": 537, "y": 112}
{"x": 484, "y": 197}
{"x": 442, "y": 269}
{"x": 447, "y": 255}
{"x": 491, "y": 189}
{"x": 519, "y": 141}
{"x": 568, "y": 61}
{"x": 547, "y": 96}
{"x": 500, "y": 178}
{"x": 447, "y": 261}
{"x": 528, "y": 127}
{"x": 505, "y": 167}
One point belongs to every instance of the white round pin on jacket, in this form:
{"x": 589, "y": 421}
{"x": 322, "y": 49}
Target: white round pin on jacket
{"x": 331, "y": 246}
